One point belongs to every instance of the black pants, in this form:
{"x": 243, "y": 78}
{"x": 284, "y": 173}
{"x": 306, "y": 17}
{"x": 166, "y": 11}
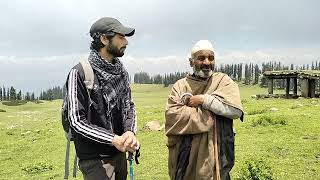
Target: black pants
{"x": 114, "y": 168}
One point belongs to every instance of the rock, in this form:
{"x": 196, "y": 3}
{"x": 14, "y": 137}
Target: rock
{"x": 25, "y": 133}
{"x": 154, "y": 126}
{"x": 12, "y": 126}
{"x": 274, "y": 109}
{"x": 253, "y": 96}
{"x": 314, "y": 102}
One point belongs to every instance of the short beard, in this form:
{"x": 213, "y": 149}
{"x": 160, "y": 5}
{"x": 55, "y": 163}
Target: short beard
{"x": 201, "y": 74}
{"x": 114, "y": 51}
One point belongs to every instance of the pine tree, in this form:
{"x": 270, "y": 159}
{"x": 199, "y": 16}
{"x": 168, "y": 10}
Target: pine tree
{"x": 4, "y": 94}
{"x": 247, "y": 74}
{"x": 13, "y": 95}
{"x": 1, "y": 94}
{"x": 8, "y": 94}
{"x": 27, "y": 96}
{"x": 19, "y": 96}
{"x": 256, "y": 74}
{"x": 239, "y": 72}
{"x": 291, "y": 67}
{"x": 32, "y": 97}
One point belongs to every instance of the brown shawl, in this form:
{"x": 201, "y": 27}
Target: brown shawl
{"x": 182, "y": 120}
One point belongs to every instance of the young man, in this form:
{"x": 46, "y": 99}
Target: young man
{"x": 199, "y": 119}
{"x": 103, "y": 122}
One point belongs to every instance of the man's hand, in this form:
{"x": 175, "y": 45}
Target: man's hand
{"x": 131, "y": 143}
{"x": 118, "y": 142}
{"x": 196, "y": 100}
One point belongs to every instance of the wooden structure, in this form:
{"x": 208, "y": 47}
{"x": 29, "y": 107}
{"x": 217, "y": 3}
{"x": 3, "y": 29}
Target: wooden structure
{"x": 307, "y": 78}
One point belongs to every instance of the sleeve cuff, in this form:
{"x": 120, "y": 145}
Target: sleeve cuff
{"x": 207, "y": 100}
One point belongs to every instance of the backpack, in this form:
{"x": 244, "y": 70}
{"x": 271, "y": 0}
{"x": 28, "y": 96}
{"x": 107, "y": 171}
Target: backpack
{"x": 89, "y": 80}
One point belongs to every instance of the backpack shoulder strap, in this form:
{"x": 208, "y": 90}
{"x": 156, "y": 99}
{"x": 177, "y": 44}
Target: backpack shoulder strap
{"x": 88, "y": 73}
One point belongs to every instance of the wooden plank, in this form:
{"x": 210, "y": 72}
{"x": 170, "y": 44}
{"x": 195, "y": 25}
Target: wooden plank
{"x": 295, "y": 86}
{"x": 304, "y": 88}
{"x": 288, "y": 87}
{"x": 312, "y": 88}
{"x": 270, "y": 86}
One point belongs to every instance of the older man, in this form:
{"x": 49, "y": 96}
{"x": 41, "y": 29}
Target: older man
{"x": 199, "y": 120}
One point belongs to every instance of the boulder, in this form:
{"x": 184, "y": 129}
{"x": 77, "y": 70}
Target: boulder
{"x": 274, "y": 109}
{"x": 154, "y": 126}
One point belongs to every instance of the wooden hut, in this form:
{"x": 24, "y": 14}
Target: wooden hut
{"x": 307, "y": 78}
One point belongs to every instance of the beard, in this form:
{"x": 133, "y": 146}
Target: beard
{"x": 114, "y": 51}
{"x": 199, "y": 72}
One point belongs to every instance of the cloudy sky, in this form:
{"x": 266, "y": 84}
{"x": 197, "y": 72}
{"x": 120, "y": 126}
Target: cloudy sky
{"x": 40, "y": 40}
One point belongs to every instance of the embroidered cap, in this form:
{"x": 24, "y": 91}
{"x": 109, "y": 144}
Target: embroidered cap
{"x": 202, "y": 45}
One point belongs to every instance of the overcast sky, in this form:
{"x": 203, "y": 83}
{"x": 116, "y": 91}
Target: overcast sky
{"x": 41, "y": 40}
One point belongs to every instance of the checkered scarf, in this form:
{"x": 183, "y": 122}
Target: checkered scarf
{"x": 114, "y": 81}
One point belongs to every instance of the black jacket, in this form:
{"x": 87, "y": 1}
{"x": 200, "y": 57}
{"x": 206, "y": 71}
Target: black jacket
{"x": 91, "y": 130}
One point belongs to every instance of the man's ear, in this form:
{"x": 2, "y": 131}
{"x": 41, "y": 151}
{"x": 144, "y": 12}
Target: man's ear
{"x": 191, "y": 62}
{"x": 104, "y": 40}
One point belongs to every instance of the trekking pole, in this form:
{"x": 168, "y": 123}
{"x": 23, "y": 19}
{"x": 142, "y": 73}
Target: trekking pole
{"x": 130, "y": 159}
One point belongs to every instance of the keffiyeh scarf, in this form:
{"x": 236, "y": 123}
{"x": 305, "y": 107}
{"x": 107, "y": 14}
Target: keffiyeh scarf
{"x": 114, "y": 81}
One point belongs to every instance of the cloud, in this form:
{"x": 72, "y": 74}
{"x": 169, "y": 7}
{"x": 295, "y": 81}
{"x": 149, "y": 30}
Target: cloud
{"x": 42, "y": 40}
{"x": 49, "y": 28}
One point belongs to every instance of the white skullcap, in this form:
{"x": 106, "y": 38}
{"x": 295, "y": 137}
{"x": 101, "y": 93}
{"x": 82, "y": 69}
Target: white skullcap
{"x": 202, "y": 45}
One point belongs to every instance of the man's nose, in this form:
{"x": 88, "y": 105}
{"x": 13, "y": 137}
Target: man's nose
{"x": 126, "y": 41}
{"x": 206, "y": 61}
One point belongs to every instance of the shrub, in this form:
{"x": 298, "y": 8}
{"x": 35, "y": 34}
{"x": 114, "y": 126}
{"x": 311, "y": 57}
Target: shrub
{"x": 267, "y": 120}
{"x": 243, "y": 101}
{"x": 38, "y": 168}
{"x": 38, "y": 102}
{"x": 255, "y": 170}
{"x": 2, "y": 110}
{"x": 14, "y": 103}
{"x": 295, "y": 106}
{"x": 257, "y": 111}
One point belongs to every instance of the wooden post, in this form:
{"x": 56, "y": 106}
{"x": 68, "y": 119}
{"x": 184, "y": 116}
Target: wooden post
{"x": 304, "y": 87}
{"x": 312, "y": 88}
{"x": 288, "y": 87}
{"x": 295, "y": 86}
{"x": 270, "y": 86}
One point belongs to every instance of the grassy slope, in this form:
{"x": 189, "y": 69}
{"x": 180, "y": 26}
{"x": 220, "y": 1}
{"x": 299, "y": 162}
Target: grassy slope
{"x": 292, "y": 150}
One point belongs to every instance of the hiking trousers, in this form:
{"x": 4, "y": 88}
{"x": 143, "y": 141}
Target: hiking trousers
{"x": 114, "y": 168}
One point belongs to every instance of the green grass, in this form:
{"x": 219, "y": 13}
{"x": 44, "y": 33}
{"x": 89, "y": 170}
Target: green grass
{"x": 287, "y": 140}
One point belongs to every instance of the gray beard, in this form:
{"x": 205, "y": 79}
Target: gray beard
{"x": 202, "y": 74}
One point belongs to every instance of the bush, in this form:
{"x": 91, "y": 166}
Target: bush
{"x": 38, "y": 102}
{"x": 14, "y": 103}
{"x": 257, "y": 111}
{"x": 255, "y": 170}
{"x": 267, "y": 120}
{"x": 38, "y": 168}
{"x": 243, "y": 101}
{"x": 2, "y": 110}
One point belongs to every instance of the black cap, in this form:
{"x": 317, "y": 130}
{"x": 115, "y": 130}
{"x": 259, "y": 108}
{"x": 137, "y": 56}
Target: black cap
{"x": 108, "y": 24}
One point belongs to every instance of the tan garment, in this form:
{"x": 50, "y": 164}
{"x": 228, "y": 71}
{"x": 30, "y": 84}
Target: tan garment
{"x": 182, "y": 120}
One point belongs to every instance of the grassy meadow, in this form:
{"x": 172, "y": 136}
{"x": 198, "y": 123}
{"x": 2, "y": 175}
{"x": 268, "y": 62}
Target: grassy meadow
{"x": 283, "y": 133}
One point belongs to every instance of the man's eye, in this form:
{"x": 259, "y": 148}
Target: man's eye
{"x": 201, "y": 58}
{"x": 211, "y": 58}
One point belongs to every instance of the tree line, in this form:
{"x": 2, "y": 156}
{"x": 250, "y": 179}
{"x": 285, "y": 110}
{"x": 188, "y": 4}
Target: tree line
{"x": 249, "y": 73}
{"x": 166, "y": 79}
{"x": 7, "y": 94}
{"x": 11, "y": 94}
